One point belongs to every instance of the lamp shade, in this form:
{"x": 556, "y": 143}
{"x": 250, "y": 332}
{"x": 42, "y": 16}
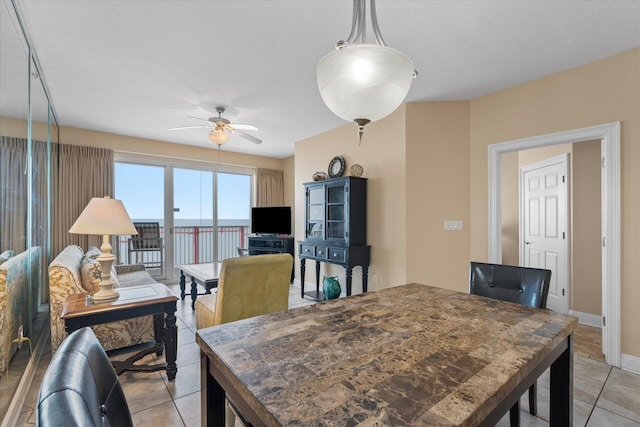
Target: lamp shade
{"x": 364, "y": 81}
{"x": 104, "y": 216}
{"x": 218, "y": 136}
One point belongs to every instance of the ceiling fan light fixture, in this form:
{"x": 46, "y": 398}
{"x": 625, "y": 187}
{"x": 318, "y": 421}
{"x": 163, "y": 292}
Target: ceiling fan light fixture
{"x": 362, "y": 82}
{"x": 218, "y": 136}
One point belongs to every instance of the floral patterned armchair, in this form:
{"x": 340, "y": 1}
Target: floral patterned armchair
{"x": 73, "y": 271}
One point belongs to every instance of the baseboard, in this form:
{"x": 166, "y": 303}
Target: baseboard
{"x": 630, "y": 363}
{"x": 15, "y": 407}
{"x": 587, "y": 318}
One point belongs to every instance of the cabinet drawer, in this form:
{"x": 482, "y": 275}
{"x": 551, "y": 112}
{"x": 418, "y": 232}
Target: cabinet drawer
{"x": 306, "y": 250}
{"x": 338, "y": 255}
{"x": 321, "y": 252}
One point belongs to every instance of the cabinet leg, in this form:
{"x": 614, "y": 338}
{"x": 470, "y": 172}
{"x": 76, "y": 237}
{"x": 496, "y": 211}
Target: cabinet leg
{"x": 302, "y": 270}
{"x": 317, "y": 277}
{"x": 365, "y": 278}
{"x": 348, "y": 272}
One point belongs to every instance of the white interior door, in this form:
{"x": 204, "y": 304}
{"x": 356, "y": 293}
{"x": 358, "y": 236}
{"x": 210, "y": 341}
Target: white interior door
{"x": 544, "y": 225}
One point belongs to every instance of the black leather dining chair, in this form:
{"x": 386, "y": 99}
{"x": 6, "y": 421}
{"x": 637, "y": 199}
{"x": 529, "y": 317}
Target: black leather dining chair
{"x": 521, "y": 285}
{"x": 80, "y": 388}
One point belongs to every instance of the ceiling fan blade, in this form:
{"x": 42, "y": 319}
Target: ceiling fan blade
{"x": 247, "y": 136}
{"x": 198, "y": 118}
{"x": 190, "y": 127}
{"x": 243, "y": 127}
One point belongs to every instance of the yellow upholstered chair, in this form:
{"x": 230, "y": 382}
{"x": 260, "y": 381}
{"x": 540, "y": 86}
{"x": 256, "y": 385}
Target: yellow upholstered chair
{"x": 247, "y": 287}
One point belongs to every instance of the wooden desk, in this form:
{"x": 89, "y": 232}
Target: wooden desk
{"x": 205, "y": 275}
{"x": 134, "y": 301}
{"x": 409, "y": 355}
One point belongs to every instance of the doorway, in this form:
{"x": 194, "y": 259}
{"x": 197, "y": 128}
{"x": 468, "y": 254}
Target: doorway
{"x": 609, "y": 134}
{"x": 544, "y": 224}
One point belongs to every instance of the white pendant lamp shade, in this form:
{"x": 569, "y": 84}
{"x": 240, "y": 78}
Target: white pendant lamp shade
{"x": 364, "y": 82}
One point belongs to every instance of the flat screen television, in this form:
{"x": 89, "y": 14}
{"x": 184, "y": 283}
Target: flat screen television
{"x": 271, "y": 220}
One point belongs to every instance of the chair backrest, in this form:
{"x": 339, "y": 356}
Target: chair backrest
{"x": 253, "y": 285}
{"x": 522, "y": 285}
{"x": 148, "y": 236}
{"x": 80, "y": 387}
{"x": 243, "y": 251}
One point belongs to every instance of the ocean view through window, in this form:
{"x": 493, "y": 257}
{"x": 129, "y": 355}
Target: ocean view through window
{"x": 207, "y": 219}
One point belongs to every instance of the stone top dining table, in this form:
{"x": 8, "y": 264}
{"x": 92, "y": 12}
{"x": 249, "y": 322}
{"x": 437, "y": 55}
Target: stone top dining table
{"x": 411, "y": 355}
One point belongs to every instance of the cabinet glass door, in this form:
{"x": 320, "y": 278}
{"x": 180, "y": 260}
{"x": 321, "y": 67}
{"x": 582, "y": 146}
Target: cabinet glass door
{"x": 315, "y": 212}
{"x": 336, "y": 212}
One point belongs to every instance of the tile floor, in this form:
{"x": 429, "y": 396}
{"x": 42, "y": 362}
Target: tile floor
{"x": 603, "y": 396}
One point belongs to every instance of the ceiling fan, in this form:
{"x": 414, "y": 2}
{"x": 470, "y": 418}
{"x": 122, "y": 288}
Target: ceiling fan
{"x": 221, "y": 128}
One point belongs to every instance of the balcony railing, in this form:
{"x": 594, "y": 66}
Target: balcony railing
{"x": 192, "y": 245}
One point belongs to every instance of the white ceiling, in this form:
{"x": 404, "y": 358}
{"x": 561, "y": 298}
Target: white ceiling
{"x": 140, "y": 67}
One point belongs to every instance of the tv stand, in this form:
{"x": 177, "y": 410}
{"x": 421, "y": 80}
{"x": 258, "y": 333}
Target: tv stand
{"x": 271, "y": 244}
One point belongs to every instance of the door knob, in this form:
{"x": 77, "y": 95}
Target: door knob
{"x": 527, "y": 242}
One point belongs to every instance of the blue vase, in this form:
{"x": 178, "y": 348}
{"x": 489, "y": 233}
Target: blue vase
{"x": 331, "y": 287}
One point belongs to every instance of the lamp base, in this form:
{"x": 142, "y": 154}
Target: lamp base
{"x": 105, "y": 295}
{"x": 105, "y": 259}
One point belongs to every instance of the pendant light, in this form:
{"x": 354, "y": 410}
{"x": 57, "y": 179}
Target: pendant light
{"x": 361, "y": 82}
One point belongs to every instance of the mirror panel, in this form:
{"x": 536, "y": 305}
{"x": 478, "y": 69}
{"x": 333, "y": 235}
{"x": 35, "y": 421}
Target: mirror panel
{"x": 27, "y": 127}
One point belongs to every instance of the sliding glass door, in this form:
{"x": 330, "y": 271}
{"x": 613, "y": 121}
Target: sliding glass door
{"x": 203, "y": 215}
{"x": 233, "y": 213}
{"x": 141, "y": 189}
{"x": 193, "y": 225}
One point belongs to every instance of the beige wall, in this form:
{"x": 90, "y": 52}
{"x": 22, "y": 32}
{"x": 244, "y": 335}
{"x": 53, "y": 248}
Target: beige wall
{"x": 139, "y": 146}
{"x": 382, "y": 154}
{"x": 586, "y": 273}
{"x": 127, "y": 144}
{"x": 509, "y": 212}
{"x": 437, "y": 177}
{"x": 597, "y": 93}
{"x": 18, "y": 128}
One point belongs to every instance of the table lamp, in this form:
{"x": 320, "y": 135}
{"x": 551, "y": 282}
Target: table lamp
{"x": 104, "y": 216}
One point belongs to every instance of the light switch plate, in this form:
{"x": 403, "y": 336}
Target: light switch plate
{"x": 453, "y": 226}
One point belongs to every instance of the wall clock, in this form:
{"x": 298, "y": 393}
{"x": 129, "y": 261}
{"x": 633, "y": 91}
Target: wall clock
{"x": 336, "y": 167}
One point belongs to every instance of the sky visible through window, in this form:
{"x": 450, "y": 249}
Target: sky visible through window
{"x": 141, "y": 189}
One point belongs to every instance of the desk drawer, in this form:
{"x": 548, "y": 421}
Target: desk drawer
{"x": 337, "y": 254}
{"x": 307, "y": 250}
{"x": 321, "y": 252}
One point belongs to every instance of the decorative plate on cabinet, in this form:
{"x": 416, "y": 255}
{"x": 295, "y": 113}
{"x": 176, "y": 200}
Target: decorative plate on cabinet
{"x": 320, "y": 176}
{"x": 356, "y": 170}
{"x": 336, "y": 167}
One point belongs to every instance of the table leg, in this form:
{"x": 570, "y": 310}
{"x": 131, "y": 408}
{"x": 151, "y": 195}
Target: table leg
{"x": 365, "y": 278}
{"x": 317, "y": 277}
{"x": 194, "y": 293}
{"x": 158, "y": 331}
{"x": 212, "y": 397}
{"x": 183, "y": 285}
{"x": 348, "y": 274}
{"x": 171, "y": 340}
{"x": 302, "y": 271}
{"x": 561, "y": 384}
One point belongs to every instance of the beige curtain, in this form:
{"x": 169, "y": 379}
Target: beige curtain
{"x": 270, "y": 188}
{"x": 78, "y": 174}
{"x": 14, "y": 199}
{"x": 13, "y": 194}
